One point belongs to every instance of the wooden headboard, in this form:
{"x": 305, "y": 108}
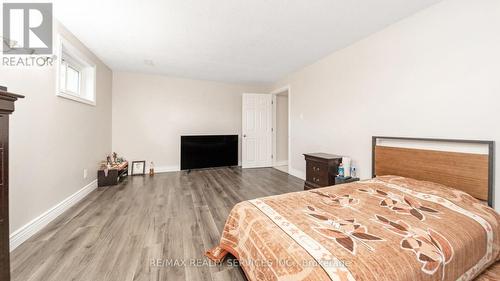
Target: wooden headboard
{"x": 471, "y": 172}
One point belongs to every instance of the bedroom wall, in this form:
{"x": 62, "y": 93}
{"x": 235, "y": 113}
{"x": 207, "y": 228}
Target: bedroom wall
{"x": 435, "y": 74}
{"x": 52, "y": 139}
{"x": 151, "y": 112}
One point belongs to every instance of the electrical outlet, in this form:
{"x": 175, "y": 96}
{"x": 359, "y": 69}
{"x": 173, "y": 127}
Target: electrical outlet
{"x": 85, "y": 173}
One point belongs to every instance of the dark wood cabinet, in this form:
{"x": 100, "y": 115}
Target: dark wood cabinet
{"x": 113, "y": 176}
{"x": 6, "y": 108}
{"x": 321, "y": 169}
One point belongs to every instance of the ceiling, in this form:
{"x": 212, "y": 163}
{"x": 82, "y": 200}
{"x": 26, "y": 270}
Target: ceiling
{"x": 244, "y": 41}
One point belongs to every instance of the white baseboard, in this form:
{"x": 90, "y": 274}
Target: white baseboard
{"x": 26, "y": 231}
{"x": 166, "y": 169}
{"x": 280, "y": 163}
{"x": 297, "y": 173}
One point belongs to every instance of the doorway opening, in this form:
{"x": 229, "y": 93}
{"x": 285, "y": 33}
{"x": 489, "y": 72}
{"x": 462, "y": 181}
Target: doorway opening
{"x": 281, "y": 129}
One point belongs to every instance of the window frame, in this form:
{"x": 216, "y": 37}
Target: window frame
{"x": 86, "y": 73}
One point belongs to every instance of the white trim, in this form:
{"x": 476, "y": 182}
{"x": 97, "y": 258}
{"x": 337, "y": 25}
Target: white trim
{"x": 82, "y": 59}
{"x": 280, "y": 90}
{"x": 296, "y": 173}
{"x": 26, "y": 231}
{"x": 274, "y": 125}
{"x": 280, "y": 163}
{"x": 62, "y": 94}
{"x": 290, "y": 128}
{"x": 166, "y": 169}
{"x": 287, "y": 89}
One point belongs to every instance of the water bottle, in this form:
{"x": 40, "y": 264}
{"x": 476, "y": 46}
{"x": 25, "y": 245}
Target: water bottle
{"x": 341, "y": 170}
{"x": 353, "y": 171}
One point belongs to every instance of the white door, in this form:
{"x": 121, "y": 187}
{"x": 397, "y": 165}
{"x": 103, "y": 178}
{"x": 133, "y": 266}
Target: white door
{"x": 257, "y": 131}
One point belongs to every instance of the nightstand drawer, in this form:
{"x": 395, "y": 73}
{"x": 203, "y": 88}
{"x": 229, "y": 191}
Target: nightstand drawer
{"x": 317, "y": 167}
{"x": 317, "y": 172}
{"x": 320, "y": 181}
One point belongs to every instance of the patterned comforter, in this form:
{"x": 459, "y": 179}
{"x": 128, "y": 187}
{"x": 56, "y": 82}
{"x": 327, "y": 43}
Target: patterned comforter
{"x": 388, "y": 228}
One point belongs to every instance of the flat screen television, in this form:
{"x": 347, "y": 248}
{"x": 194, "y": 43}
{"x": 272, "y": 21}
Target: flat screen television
{"x": 208, "y": 151}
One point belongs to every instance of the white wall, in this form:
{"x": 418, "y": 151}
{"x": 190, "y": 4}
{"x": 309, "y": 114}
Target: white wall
{"x": 151, "y": 112}
{"x": 53, "y": 139}
{"x": 435, "y": 74}
{"x": 282, "y": 127}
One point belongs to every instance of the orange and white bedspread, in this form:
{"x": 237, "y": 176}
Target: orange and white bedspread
{"x": 388, "y": 228}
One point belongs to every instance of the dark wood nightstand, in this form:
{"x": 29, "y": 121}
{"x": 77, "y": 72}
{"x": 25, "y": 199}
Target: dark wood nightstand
{"x": 321, "y": 169}
{"x": 341, "y": 180}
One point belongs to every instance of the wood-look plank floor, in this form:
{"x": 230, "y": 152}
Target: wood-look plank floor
{"x": 125, "y": 232}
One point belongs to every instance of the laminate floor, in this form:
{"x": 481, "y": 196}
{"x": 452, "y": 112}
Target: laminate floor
{"x": 147, "y": 228}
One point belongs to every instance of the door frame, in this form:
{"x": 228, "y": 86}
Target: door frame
{"x": 274, "y": 93}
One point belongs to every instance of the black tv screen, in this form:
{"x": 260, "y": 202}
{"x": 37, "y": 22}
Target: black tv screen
{"x": 209, "y": 151}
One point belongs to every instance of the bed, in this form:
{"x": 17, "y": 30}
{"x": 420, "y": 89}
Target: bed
{"x": 406, "y": 223}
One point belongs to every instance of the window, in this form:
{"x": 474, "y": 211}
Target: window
{"x": 76, "y": 74}
{"x": 70, "y": 77}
